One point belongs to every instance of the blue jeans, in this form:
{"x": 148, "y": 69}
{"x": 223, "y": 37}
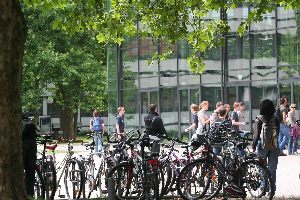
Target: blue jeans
{"x": 293, "y": 145}
{"x": 98, "y": 140}
{"x": 284, "y": 136}
{"x": 271, "y": 157}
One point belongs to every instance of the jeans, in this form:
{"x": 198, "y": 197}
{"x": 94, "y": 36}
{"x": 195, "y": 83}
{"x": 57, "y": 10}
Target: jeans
{"x": 98, "y": 140}
{"x": 271, "y": 157}
{"x": 284, "y": 135}
{"x": 293, "y": 145}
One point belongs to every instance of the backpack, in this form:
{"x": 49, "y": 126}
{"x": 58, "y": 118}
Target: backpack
{"x": 278, "y": 113}
{"x": 96, "y": 124}
{"x": 268, "y": 134}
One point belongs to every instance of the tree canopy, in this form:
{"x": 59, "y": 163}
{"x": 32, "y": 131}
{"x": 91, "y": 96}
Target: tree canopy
{"x": 168, "y": 20}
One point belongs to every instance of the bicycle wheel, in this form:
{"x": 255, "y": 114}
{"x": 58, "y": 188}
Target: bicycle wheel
{"x": 74, "y": 179}
{"x": 199, "y": 179}
{"x": 49, "y": 179}
{"x": 39, "y": 187}
{"x": 101, "y": 177}
{"x": 128, "y": 179}
{"x": 255, "y": 179}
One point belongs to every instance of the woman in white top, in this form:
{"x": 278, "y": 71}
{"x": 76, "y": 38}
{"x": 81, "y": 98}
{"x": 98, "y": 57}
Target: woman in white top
{"x": 202, "y": 117}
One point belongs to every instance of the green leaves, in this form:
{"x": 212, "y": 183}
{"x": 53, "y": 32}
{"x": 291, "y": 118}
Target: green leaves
{"x": 196, "y": 21}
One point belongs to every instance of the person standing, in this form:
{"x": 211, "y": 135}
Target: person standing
{"x": 284, "y": 129}
{"x": 235, "y": 117}
{"x": 194, "y": 110}
{"x": 154, "y": 127}
{"x": 294, "y": 130}
{"x": 266, "y": 132}
{"x": 227, "y": 106}
{"x": 241, "y": 114}
{"x": 202, "y": 118}
{"x": 120, "y": 124}
{"x": 215, "y": 114}
{"x": 29, "y": 152}
{"x": 220, "y": 126}
{"x": 97, "y": 126}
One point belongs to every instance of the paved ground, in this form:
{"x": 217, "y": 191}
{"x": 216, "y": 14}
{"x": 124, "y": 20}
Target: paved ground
{"x": 288, "y": 180}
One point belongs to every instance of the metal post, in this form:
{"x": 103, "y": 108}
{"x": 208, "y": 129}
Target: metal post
{"x": 111, "y": 189}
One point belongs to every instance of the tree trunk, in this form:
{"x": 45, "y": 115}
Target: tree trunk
{"x": 66, "y": 123}
{"x": 12, "y": 39}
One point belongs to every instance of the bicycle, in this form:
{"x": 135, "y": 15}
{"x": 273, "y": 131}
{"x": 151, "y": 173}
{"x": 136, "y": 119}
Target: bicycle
{"x": 140, "y": 177}
{"x": 72, "y": 169}
{"x": 205, "y": 177}
{"x": 46, "y": 174}
{"x": 96, "y": 181}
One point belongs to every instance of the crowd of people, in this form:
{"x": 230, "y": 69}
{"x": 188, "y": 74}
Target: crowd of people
{"x": 282, "y": 121}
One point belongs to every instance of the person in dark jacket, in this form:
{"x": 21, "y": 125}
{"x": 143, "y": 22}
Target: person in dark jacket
{"x": 29, "y": 152}
{"x": 154, "y": 127}
{"x": 267, "y": 111}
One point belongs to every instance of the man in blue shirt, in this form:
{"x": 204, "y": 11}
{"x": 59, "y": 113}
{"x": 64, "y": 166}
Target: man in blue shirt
{"x": 120, "y": 125}
{"x": 97, "y": 126}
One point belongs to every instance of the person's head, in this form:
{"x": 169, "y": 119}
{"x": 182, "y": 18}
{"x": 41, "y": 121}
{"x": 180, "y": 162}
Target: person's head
{"x": 194, "y": 108}
{"x": 293, "y": 107}
{"x": 241, "y": 106}
{"x": 222, "y": 111}
{"x": 121, "y": 110}
{"x": 267, "y": 108}
{"x": 204, "y": 105}
{"x": 152, "y": 108}
{"x": 236, "y": 106}
{"x": 96, "y": 113}
{"x": 227, "y": 106}
{"x": 219, "y": 104}
{"x": 284, "y": 101}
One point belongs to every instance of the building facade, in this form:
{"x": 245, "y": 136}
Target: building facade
{"x": 264, "y": 63}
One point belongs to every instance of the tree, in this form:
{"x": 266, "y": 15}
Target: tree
{"x": 71, "y": 67}
{"x": 12, "y": 38}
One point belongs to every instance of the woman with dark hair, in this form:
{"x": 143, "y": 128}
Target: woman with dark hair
{"x": 266, "y": 132}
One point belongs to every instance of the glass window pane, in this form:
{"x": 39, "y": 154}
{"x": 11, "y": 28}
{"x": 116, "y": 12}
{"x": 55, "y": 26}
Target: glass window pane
{"x": 169, "y": 110}
{"x": 268, "y": 22}
{"x": 195, "y": 96}
{"x": 289, "y": 46}
{"x": 168, "y": 69}
{"x": 264, "y": 54}
{"x": 154, "y": 97}
{"x": 131, "y": 106}
{"x": 212, "y": 94}
{"x": 231, "y": 95}
{"x": 144, "y": 102}
{"x": 286, "y": 72}
{"x": 262, "y": 90}
{"x": 285, "y": 90}
{"x": 236, "y": 16}
{"x": 184, "y": 100}
{"x": 148, "y": 74}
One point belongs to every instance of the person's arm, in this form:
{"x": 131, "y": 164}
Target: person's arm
{"x": 118, "y": 126}
{"x": 284, "y": 114}
{"x": 256, "y": 135}
{"x": 235, "y": 121}
{"x": 91, "y": 125}
{"x": 202, "y": 119}
{"x": 192, "y": 126}
{"x": 103, "y": 126}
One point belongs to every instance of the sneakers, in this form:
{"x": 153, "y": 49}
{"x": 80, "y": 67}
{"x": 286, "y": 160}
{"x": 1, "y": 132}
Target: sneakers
{"x": 281, "y": 153}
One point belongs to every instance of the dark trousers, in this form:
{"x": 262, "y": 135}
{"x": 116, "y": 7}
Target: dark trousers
{"x": 29, "y": 160}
